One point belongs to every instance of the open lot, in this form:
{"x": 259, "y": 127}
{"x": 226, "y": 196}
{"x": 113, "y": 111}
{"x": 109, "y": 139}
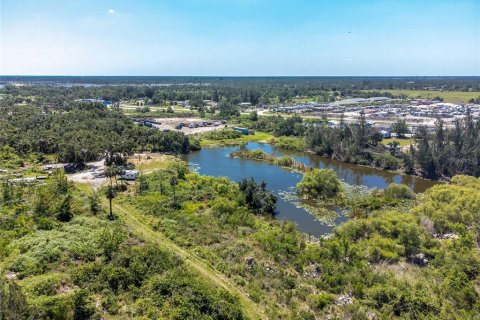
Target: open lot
{"x": 147, "y": 162}
{"x": 94, "y": 174}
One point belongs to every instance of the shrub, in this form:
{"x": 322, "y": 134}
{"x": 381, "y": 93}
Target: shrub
{"x": 466, "y": 181}
{"x": 289, "y": 143}
{"x": 320, "y": 183}
{"x": 82, "y": 305}
{"x": 321, "y": 300}
{"x": 399, "y": 191}
{"x": 195, "y": 144}
{"x": 285, "y": 161}
{"x": 222, "y": 134}
{"x": 387, "y": 161}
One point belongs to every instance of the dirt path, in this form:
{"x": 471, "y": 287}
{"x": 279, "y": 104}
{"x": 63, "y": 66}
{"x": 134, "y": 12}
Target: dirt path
{"x": 129, "y": 215}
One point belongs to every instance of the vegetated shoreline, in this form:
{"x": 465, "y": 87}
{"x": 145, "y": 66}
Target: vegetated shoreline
{"x": 301, "y": 167}
{"x": 268, "y": 138}
{"x": 398, "y": 171}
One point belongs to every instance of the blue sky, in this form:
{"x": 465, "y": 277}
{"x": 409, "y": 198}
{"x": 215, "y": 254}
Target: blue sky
{"x": 240, "y": 37}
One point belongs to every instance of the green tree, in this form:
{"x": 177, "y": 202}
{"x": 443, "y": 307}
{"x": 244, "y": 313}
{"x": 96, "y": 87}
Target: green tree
{"x": 400, "y": 128}
{"x": 410, "y": 239}
{"x": 394, "y": 147}
{"x": 228, "y": 109}
{"x": 253, "y": 116}
{"x": 65, "y": 213}
{"x": 142, "y": 185}
{"x": 257, "y": 197}
{"x": 110, "y": 194}
{"x": 7, "y": 192}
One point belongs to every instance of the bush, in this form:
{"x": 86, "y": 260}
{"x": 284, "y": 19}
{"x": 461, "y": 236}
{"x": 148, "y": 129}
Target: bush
{"x": 387, "y": 161}
{"x": 82, "y": 306}
{"x": 466, "y": 181}
{"x": 320, "y": 183}
{"x": 321, "y": 300}
{"x": 285, "y": 161}
{"x": 289, "y": 143}
{"x": 399, "y": 191}
{"x": 195, "y": 144}
{"x": 222, "y": 134}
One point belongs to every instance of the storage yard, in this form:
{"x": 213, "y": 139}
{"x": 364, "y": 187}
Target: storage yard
{"x": 188, "y": 126}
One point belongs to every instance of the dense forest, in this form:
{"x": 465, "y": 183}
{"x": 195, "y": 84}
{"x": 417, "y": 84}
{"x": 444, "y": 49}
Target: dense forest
{"x": 81, "y": 133}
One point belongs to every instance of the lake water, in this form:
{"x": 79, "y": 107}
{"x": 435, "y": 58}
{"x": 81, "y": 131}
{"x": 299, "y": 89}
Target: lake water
{"x": 216, "y": 162}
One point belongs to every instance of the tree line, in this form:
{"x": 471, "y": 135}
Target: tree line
{"x": 244, "y": 89}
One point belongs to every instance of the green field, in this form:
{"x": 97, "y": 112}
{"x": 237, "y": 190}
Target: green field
{"x": 448, "y": 96}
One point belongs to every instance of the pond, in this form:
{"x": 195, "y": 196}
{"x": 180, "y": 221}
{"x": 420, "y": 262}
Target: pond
{"x": 216, "y": 162}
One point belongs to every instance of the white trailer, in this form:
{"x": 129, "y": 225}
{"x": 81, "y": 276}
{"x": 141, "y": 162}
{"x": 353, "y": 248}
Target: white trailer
{"x": 129, "y": 175}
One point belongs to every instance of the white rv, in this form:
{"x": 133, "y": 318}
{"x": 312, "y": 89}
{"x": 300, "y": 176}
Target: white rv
{"x": 129, "y": 175}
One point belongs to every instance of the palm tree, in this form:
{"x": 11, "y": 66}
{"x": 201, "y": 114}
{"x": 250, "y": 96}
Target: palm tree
{"x": 173, "y": 184}
{"x": 110, "y": 191}
{"x": 110, "y": 194}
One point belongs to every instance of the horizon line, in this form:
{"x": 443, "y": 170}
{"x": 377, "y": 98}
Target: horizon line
{"x": 236, "y": 76}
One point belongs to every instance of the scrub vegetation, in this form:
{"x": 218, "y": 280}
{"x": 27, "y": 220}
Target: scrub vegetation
{"x": 64, "y": 261}
{"x": 67, "y": 261}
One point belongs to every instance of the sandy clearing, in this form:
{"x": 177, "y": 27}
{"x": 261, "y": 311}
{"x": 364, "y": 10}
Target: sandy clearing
{"x": 93, "y": 175}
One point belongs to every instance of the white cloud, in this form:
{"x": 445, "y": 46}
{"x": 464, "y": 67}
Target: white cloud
{"x": 111, "y": 11}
